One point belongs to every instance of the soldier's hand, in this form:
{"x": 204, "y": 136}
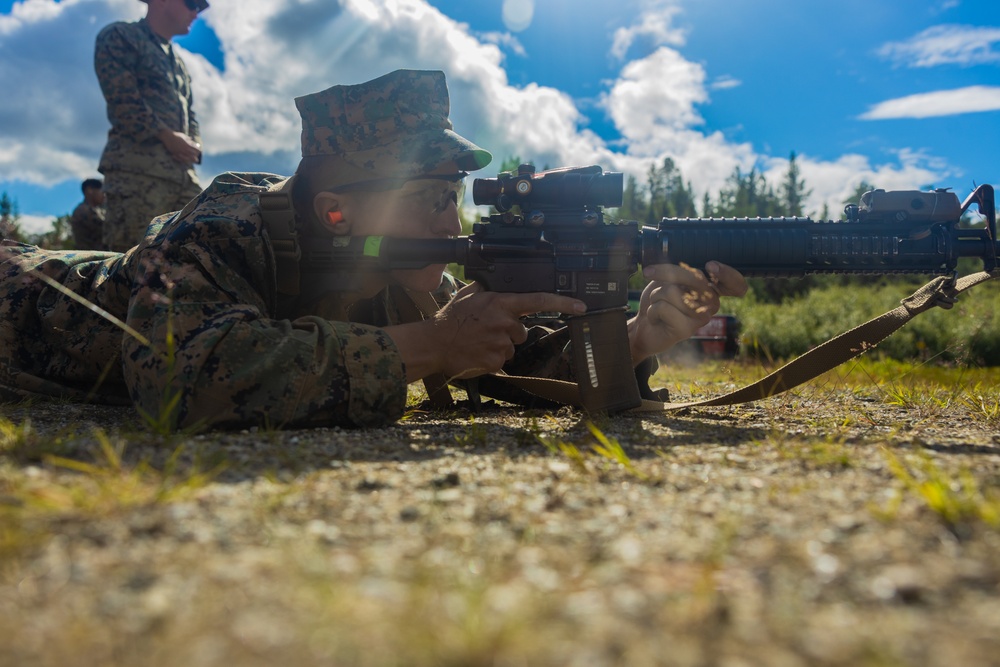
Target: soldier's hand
{"x": 475, "y": 333}
{"x": 677, "y": 302}
{"x": 182, "y": 148}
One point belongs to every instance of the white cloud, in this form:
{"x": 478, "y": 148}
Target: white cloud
{"x": 52, "y": 119}
{"x": 53, "y": 129}
{"x": 655, "y": 25}
{"x": 35, "y": 224}
{"x": 946, "y": 45}
{"x": 653, "y": 104}
{"x": 725, "y": 82}
{"x": 659, "y": 91}
{"x": 27, "y": 12}
{"x": 504, "y": 39}
{"x": 938, "y": 103}
{"x": 833, "y": 182}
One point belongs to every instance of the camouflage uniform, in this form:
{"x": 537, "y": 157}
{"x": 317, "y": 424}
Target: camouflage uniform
{"x": 87, "y": 223}
{"x": 243, "y": 354}
{"x": 148, "y": 89}
{"x": 208, "y": 326}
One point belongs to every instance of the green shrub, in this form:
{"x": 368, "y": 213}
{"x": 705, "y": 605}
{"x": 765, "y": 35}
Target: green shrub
{"x": 968, "y": 333}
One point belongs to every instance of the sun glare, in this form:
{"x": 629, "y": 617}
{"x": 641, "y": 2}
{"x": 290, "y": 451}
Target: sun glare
{"x": 517, "y": 14}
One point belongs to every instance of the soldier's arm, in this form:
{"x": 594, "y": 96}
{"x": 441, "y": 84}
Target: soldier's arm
{"x": 230, "y": 364}
{"x": 194, "y": 129}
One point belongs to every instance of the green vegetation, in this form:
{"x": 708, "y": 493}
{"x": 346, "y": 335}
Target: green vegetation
{"x": 968, "y": 333}
{"x": 957, "y": 500}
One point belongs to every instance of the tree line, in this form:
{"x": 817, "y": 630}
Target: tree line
{"x": 665, "y": 194}
{"x": 58, "y": 237}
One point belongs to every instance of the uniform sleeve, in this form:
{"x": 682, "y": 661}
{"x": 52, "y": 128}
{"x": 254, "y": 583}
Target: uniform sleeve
{"x": 213, "y": 357}
{"x": 194, "y": 129}
{"x": 116, "y": 59}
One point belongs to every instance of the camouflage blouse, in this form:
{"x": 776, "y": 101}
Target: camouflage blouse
{"x": 147, "y": 89}
{"x": 208, "y": 340}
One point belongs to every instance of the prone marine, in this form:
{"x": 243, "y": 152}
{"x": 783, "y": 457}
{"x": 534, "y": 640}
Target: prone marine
{"x": 214, "y": 317}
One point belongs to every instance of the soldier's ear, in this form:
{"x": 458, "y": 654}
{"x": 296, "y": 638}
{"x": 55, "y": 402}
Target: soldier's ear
{"x": 328, "y": 209}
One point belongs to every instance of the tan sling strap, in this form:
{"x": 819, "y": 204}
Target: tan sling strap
{"x": 942, "y": 291}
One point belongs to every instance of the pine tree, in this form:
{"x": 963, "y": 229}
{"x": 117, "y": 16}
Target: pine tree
{"x": 634, "y": 204}
{"x": 855, "y": 197}
{"x": 9, "y": 215}
{"x": 747, "y": 196}
{"x": 793, "y": 189}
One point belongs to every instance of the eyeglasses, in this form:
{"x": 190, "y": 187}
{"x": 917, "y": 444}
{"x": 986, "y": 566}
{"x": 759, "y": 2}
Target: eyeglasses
{"x": 196, "y": 5}
{"x": 427, "y": 192}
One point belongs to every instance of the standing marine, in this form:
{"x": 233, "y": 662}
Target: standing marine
{"x": 154, "y": 141}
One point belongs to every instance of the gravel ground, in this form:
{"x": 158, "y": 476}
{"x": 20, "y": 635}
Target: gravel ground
{"x": 835, "y": 526}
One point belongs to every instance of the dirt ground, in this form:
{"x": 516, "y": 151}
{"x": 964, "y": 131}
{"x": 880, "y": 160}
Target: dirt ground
{"x": 846, "y": 523}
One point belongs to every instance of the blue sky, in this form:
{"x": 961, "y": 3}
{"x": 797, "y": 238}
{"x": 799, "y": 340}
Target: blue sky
{"x": 899, "y": 93}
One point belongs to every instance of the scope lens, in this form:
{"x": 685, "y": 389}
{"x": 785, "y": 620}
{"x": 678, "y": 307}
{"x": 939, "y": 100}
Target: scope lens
{"x": 485, "y": 191}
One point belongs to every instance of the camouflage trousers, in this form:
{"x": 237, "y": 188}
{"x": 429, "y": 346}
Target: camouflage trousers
{"x": 133, "y": 200}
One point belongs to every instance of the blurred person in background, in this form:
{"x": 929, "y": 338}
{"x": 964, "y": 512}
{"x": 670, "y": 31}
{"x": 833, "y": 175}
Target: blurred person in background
{"x": 87, "y": 220}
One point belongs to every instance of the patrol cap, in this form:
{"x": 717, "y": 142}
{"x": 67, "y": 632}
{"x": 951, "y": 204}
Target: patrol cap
{"x": 394, "y": 126}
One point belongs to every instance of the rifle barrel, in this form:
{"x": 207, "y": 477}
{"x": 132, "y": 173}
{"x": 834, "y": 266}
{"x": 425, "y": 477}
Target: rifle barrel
{"x": 789, "y": 247}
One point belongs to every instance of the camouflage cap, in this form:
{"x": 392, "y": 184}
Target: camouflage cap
{"x": 394, "y": 126}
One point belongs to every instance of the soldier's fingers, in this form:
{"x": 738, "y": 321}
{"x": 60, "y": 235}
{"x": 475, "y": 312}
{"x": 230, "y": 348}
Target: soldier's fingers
{"x": 471, "y": 288}
{"x": 541, "y": 302}
{"x": 678, "y": 274}
{"x": 726, "y": 279}
{"x": 518, "y": 333}
{"x": 686, "y": 301}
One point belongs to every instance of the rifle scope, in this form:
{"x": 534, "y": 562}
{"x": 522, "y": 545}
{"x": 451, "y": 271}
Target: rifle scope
{"x": 571, "y": 188}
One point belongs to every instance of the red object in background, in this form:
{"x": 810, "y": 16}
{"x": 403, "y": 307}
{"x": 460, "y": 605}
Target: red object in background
{"x": 719, "y": 338}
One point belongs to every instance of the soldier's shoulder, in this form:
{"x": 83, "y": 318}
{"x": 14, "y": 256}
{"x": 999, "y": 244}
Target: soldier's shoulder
{"x": 119, "y": 30}
{"x": 227, "y": 208}
{"x": 232, "y": 182}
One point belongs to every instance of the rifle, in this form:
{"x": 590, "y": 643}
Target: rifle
{"x": 548, "y": 234}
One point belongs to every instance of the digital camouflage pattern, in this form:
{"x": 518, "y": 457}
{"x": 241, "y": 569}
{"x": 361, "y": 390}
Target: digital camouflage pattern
{"x": 147, "y": 89}
{"x": 135, "y": 199}
{"x": 87, "y": 225}
{"x": 395, "y": 125}
{"x": 51, "y": 345}
{"x": 240, "y": 356}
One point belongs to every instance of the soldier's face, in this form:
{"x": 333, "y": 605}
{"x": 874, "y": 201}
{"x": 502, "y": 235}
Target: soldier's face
{"x": 421, "y": 209}
{"x": 181, "y": 16}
